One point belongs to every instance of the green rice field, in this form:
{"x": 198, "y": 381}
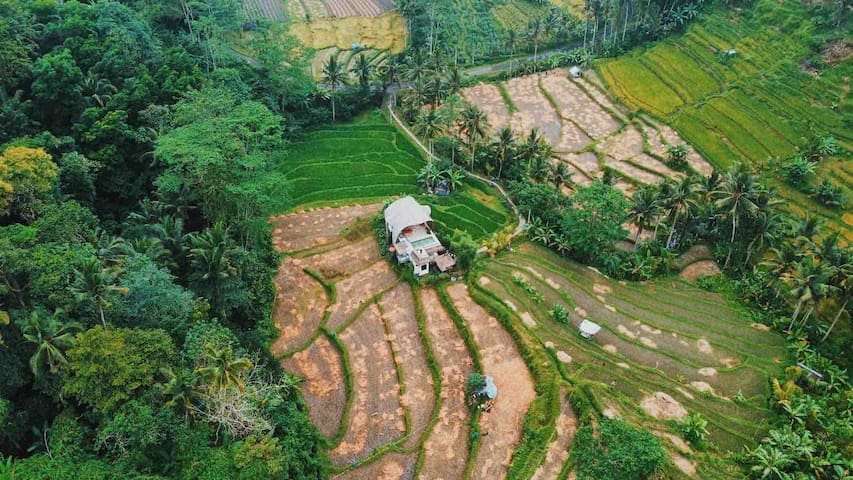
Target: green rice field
{"x": 666, "y": 336}
{"x": 369, "y": 160}
{"x": 759, "y": 106}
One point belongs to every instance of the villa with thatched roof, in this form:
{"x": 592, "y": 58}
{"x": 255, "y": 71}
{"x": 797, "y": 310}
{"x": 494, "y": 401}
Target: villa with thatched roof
{"x": 411, "y": 237}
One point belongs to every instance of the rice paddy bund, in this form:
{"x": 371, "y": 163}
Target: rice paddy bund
{"x": 757, "y": 105}
{"x": 385, "y": 361}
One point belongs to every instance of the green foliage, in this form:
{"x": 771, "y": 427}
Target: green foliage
{"x": 694, "y": 428}
{"x": 26, "y": 174}
{"x": 798, "y": 170}
{"x": 465, "y": 249}
{"x": 207, "y": 332}
{"x": 614, "y": 450}
{"x": 595, "y": 222}
{"x": 560, "y": 314}
{"x": 106, "y": 368}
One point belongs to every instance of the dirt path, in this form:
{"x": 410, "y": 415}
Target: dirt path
{"x": 558, "y": 450}
{"x": 299, "y": 309}
{"x": 376, "y": 416}
{"x": 501, "y": 428}
{"x": 446, "y": 450}
{"x": 398, "y": 308}
{"x": 353, "y": 291}
{"x": 324, "y": 390}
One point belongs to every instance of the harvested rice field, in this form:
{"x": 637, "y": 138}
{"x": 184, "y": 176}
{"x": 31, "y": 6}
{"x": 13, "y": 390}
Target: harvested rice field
{"x": 588, "y": 131}
{"x": 384, "y": 362}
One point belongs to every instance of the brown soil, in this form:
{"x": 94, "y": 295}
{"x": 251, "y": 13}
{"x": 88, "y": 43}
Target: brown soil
{"x": 662, "y": 405}
{"x": 398, "y": 308}
{"x": 446, "y": 449}
{"x": 696, "y": 252}
{"x": 702, "y": 268}
{"x": 299, "y": 308}
{"x": 324, "y": 388}
{"x": 601, "y": 289}
{"x": 357, "y": 289}
{"x": 487, "y": 98}
{"x": 501, "y": 427}
{"x": 683, "y": 464}
{"x": 558, "y": 450}
{"x": 345, "y": 260}
{"x": 376, "y": 416}
{"x": 534, "y": 111}
{"x": 575, "y": 105}
{"x": 587, "y": 162}
{"x": 631, "y": 172}
{"x": 624, "y": 145}
{"x": 392, "y": 466}
{"x": 300, "y": 230}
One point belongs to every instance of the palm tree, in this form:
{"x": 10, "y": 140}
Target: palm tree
{"x": 737, "y": 198}
{"x": 221, "y": 369}
{"x": 644, "y": 211}
{"x": 474, "y": 125}
{"x": 766, "y": 231}
{"x": 334, "y": 75}
{"x": 95, "y": 282}
{"x": 179, "y": 389}
{"x": 504, "y": 146}
{"x": 770, "y": 463}
{"x": 534, "y": 32}
{"x": 454, "y": 80}
{"x": 843, "y": 287}
{"x": 362, "y": 69}
{"x": 429, "y": 125}
{"x": 810, "y": 282}
{"x": 390, "y": 71}
{"x": 560, "y": 174}
{"x": 51, "y": 336}
{"x": 532, "y": 146}
{"x": 539, "y": 168}
{"x": 210, "y": 258}
{"x": 677, "y": 201}
{"x": 455, "y": 177}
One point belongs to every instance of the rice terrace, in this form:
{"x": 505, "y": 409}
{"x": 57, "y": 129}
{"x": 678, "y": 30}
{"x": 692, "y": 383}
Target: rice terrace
{"x": 426, "y": 240}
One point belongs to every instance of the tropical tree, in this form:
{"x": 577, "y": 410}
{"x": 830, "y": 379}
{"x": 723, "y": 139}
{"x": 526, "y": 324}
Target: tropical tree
{"x": 211, "y": 259}
{"x": 455, "y": 177}
{"x": 96, "y": 283}
{"x": 179, "y": 389}
{"x": 809, "y": 282}
{"x": 539, "y": 168}
{"x": 644, "y": 211}
{"x": 362, "y": 69}
{"x": 504, "y": 146}
{"x": 560, "y": 174}
{"x": 677, "y": 200}
{"x": 429, "y": 125}
{"x": 770, "y": 463}
{"x": 335, "y": 75}
{"x": 475, "y": 126}
{"x": 51, "y": 336}
{"x": 220, "y": 369}
{"x": 738, "y": 198}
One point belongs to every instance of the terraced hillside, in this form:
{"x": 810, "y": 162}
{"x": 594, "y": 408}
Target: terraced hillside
{"x": 587, "y": 131}
{"x": 666, "y": 349}
{"x": 385, "y": 362}
{"x": 757, "y": 105}
{"x": 369, "y": 160}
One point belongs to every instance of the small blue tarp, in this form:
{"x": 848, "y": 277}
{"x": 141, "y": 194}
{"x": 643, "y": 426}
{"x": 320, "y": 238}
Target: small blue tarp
{"x": 490, "y": 390}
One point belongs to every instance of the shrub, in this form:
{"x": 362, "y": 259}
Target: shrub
{"x": 829, "y": 194}
{"x": 473, "y": 384}
{"x": 677, "y": 156}
{"x": 694, "y": 428}
{"x": 617, "y": 451}
{"x": 798, "y": 170}
{"x": 560, "y": 314}
{"x": 465, "y": 249}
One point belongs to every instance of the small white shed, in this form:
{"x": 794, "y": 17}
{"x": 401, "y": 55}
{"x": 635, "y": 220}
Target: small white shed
{"x": 589, "y": 329}
{"x": 575, "y": 71}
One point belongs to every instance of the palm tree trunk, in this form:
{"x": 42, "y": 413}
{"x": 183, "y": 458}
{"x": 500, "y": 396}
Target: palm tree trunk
{"x": 732, "y": 241}
{"x": 101, "y": 314}
{"x": 637, "y": 237}
{"x": 333, "y": 103}
{"x": 835, "y": 320}
{"x": 796, "y": 314}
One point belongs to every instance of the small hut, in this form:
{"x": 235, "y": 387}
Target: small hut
{"x": 489, "y": 390}
{"x": 575, "y": 71}
{"x": 589, "y": 329}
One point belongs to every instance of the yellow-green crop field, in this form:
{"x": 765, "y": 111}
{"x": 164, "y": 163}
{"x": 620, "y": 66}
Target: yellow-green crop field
{"x": 758, "y": 106}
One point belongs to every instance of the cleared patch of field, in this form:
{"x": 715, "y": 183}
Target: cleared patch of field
{"x": 301, "y": 230}
{"x": 345, "y": 261}
{"x": 572, "y": 114}
{"x": 376, "y": 415}
{"x": 300, "y": 303}
{"x": 392, "y": 466}
{"x": 759, "y": 104}
{"x": 660, "y": 337}
{"x": 487, "y": 98}
{"x": 534, "y": 111}
{"x": 355, "y": 291}
{"x": 445, "y": 452}
{"x": 398, "y": 311}
{"x": 383, "y": 32}
{"x": 502, "y": 361}
{"x": 323, "y": 390}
